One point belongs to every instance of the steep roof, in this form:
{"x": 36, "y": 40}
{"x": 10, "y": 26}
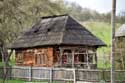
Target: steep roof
{"x": 121, "y": 31}
{"x": 57, "y": 30}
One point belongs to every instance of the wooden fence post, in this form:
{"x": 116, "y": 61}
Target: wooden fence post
{"x": 51, "y": 75}
{"x": 30, "y": 73}
{"x": 103, "y": 74}
{"x": 74, "y": 72}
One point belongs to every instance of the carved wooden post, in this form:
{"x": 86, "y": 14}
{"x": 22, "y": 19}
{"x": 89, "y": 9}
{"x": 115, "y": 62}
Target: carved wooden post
{"x": 96, "y": 61}
{"x": 61, "y": 54}
{"x": 87, "y": 57}
{"x": 87, "y": 61}
{"x": 73, "y": 54}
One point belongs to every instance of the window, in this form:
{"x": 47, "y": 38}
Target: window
{"x": 67, "y": 57}
{"x": 76, "y": 58}
{"x": 40, "y": 58}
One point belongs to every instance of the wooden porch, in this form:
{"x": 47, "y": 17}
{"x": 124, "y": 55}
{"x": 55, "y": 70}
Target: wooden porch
{"x": 78, "y": 57}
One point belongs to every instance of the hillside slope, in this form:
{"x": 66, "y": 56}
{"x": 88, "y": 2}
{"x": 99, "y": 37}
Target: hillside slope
{"x": 101, "y": 30}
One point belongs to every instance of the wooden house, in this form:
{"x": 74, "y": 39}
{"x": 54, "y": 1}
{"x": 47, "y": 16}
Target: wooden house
{"x": 120, "y": 48}
{"x": 57, "y": 41}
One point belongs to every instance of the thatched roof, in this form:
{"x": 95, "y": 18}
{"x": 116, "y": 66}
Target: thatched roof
{"x": 121, "y": 31}
{"x": 57, "y": 30}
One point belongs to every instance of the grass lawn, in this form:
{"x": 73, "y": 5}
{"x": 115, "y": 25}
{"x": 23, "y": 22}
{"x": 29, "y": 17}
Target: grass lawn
{"x": 103, "y": 65}
{"x": 21, "y": 81}
{"x": 1, "y": 64}
{"x": 13, "y": 81}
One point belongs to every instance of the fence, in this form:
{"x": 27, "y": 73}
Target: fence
{"x": 43, "y": 73}
{"x": 97, "y": 75}
{"x": 64, "y": 74}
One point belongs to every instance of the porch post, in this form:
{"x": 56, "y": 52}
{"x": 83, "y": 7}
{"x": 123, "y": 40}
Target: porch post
{"x": 87, "y": 60}
{"x": 87, "y": 54}
{"x": 61, "y": 53}
{"x": 73, "y": 54}
{"x": 96, "y": 61}
{"x": 96, "y": 58}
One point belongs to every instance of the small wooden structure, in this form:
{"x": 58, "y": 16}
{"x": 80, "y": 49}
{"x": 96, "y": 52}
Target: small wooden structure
{"x": 120, "y": 48}
{"x": 57, "y": 41}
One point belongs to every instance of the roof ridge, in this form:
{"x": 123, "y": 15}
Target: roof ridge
{"x": 64, "y": 28}
{"x": 52, "y": 16}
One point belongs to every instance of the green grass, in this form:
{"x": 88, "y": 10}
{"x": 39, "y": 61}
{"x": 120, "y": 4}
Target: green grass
{"x": 22, "y": 81}
{"x": 1, "y": 64}
{"x": 10, "y": 63}
{"x": 102, "y": 65}
{"x": 16, "y": 81}
{"x": 13, "y": 81}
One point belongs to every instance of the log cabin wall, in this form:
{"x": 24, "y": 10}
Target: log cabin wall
{"x": 51, "y": 56}
{"x": 56, "y": 57}
{"x": 120, "y": 53}
{"x": 35, "y": 57}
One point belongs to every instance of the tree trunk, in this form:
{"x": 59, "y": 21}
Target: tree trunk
{"x": 5, "y": 59}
